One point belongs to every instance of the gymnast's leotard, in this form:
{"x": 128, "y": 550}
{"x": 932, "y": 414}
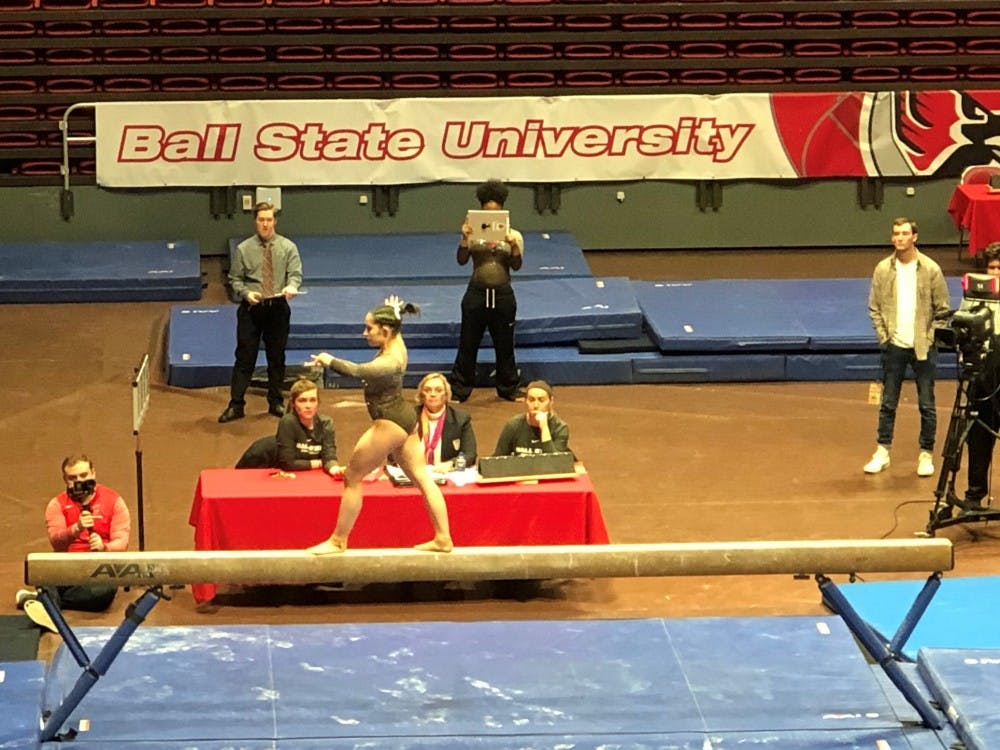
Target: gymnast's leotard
{"x": 383, "y": 383}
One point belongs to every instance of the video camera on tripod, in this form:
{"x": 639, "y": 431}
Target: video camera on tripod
{"x": 974, "y": 332}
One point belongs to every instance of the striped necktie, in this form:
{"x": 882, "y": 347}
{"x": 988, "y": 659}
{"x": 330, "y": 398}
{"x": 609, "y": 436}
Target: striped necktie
{"x": 267, "y": 273}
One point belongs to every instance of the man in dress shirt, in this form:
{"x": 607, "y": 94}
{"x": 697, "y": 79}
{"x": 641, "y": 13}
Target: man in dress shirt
{"x": 265, "y": 271}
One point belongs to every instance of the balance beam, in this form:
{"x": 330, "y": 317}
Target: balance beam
{"x": 491, "y": 563}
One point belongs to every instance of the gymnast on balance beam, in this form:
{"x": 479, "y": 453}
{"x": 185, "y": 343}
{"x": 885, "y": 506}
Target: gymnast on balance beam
{"x": 392, "y": 430}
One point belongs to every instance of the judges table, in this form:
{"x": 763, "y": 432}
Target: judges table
{"x": 976, "y": 208}
{"x": 259, "y": 509}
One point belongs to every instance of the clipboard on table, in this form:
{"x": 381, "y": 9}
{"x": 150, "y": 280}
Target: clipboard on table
{"x": 488, "y": 226}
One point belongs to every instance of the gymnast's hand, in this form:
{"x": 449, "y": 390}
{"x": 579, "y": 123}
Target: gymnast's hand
{"x": 322, "y": 359}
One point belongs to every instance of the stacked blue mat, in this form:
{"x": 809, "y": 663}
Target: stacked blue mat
{"x": 44, "y": 272}
{"x": 572, "y": 328}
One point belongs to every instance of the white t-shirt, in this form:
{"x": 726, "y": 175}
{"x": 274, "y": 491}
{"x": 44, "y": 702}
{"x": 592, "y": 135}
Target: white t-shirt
{"x": 906, "y": 303}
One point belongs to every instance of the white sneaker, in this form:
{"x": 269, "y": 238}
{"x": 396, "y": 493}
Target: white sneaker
{"x": 23, "y": 595}
{"x": 879, "y": 461}
{"x": 35, "y": 611}
{"x": 925, "y": 464}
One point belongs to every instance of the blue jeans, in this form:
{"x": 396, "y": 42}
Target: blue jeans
{"x": 894, "y": 362}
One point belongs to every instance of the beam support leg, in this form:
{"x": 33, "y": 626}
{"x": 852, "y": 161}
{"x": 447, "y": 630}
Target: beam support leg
{"x": 879, "y": 651}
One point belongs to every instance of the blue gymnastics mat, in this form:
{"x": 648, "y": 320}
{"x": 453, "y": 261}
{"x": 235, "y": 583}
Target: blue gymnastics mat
{"x": 409, "y": 258}
{"x": 738, "y": 315}
{"x": 21, "y": 688}
{"x": 695, "y": 684}
{"x": 957, "y": 617}
{"x": 100, "y": 271}
{"x": 966, "y": 684}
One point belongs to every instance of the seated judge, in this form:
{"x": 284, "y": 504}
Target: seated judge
{"x": 538, "y": 430}
{"x": 304, "y": 440}
{"x": 444, "y": 430}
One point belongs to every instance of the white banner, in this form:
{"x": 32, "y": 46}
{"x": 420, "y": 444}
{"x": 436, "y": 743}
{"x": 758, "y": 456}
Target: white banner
{"x": 406, "y": 141}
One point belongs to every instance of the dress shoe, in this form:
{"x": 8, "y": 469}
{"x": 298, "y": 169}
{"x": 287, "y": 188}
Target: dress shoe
{"x": 276, "y": 410}
{"x": 516, "y": 395}
{"x": 231, "y": 414}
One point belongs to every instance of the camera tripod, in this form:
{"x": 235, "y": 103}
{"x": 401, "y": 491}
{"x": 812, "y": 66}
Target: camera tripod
{"x": 949, "y": 509}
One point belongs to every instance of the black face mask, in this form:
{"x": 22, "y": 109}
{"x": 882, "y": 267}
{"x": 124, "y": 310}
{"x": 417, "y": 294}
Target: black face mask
{"x": 80, "y": 490}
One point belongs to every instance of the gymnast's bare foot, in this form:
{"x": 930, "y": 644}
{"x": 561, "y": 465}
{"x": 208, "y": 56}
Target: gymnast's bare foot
{"x": 332, "y": 546}
{"x": 443, "y": 544}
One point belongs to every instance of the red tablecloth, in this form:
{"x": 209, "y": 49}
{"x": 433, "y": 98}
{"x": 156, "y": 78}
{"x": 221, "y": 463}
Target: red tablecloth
{"x": 977, "y": 209}
{"x": 251, "y": 509}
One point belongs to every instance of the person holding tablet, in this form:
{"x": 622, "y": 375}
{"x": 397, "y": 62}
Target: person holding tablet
{"x": 489, "y": 301}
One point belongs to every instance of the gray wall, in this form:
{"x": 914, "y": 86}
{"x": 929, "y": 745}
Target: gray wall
{"x": 653, "y": 215}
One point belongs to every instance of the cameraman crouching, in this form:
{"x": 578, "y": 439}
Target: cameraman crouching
{"x": 87, "y": 517}
{"x": 984, "y": 391}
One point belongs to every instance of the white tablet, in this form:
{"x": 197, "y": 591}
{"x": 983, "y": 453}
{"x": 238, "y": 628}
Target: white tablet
{"x": 491, "y": 226}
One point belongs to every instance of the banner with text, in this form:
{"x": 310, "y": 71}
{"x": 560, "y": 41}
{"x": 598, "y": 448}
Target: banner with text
{"x": 531, "y": 139}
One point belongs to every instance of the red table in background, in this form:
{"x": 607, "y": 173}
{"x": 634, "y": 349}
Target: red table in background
{"x": 976, "y": 208}
{"x": 252, "y": 509}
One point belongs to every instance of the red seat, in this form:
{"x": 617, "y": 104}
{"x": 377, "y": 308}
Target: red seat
{"x": 39, "y": 168}
{"x": 241, "y": 54}
{"x": 242, "y": 26}
{"x": 932, "y": 47}
{"x": 531, "y": 79}
{"x": 817, "y": 19}
{"x": 645, "y": 21}
{"x": 817, "y": 75}
{"x": 126, "y": 27}
{"x": 18, "y": 57}
{"x": 14, "y": 29}
{"x": 703, "y": 77}
{"x": 353, "y": 81}
{"x": 68, "y": 28}
{"x": 760, "y": 76}
{"x": 817, "y": 49}
{"x": 19, "y": 140}
{"x": 184, "y": 83}
{"x": 243, "y": 83}
{"x": 17, "y": 5}
{"x": 472, "y": 23}
{"x": 300, "y": 82}
{"x": 127, "y": 84}
{"x": 70, "y": 56}
{"x": 357, "y": 52}
{"x": 357, "y": 25}
{"x": 238, "y": 3}
{"x": 982, "y": 18}
{"x": 530, "y": 23}
{"x": 122, "y": 4}
{"x": 70, "y": 85}
{"x": 702, "y": 49}
{"x": 759, "y": 49}
{"x": 19, "y": 112}
{"x": 181, "y": 3}
{"x": 415, "y": 23}
{"x": 982, "y": 46}
{"x": 983, "y": 73}
{"x": 473, "y": 80}
{"x": 127, "y": 55}
{"x": 185, "y": 54}
{"x": 588, "y": 78}
{"x": 766, "y": 19}
{"x": 183, "y": 26}
{"x": 645, "y": 50}
{"x": 702, "y": 20}
{"x": 414, "y": 80}
{"x": 299, "y": 25}
{"x": 300, "y": 53}
{"x": 879, "y": 18}
{"x": 874, "y": 47}
{"x": 876, "y": 74}
{"x": 587, "y": 51}
{"x": 473, "y": 52}
{"x": 414, "y": 52}
{"x": 297, "y": 3}
{"x": 588, "y": 22}
{"x": 978, "y": 174}
{"x": 530, "y": 51}
{"x": 645, "y": 78}
{"x": 64, "y": 4}
{"x": 932, "y": 17}
{"x": 933, "y": 73}
{"x": 17, "y": 86}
